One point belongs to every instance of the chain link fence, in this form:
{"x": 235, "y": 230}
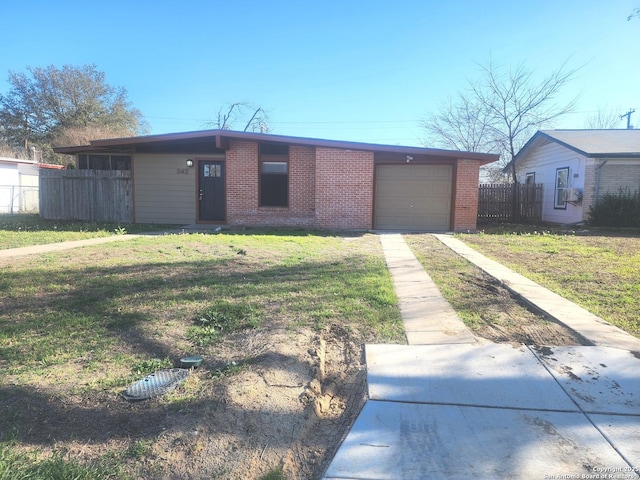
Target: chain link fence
{"x": 19, "y": 199}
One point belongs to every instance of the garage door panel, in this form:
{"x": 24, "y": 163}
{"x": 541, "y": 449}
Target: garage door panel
{"x": 413, "y": 197}
{"x": 394, "y": 207}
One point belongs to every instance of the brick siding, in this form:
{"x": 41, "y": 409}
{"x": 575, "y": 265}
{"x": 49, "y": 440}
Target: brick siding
{"x": 329, "y": 188}
{"x": 613, "y": 177}
{"x": 465, "y": 204}
{"x": 243, "y": 178}
{"x": 344, "y": 189}
{"x": 589, "y": 190}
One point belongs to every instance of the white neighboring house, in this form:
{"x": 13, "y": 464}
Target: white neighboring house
{"x": 18, "y": 185}
{"x": 576, "y": 167}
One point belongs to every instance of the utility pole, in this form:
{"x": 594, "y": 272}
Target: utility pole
{"x": 628, "y": 115}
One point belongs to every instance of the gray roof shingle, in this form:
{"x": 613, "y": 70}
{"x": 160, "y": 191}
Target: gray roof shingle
{"x": 598, "y": 142}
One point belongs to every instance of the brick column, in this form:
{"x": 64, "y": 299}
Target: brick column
{"x": 465, "y": 203}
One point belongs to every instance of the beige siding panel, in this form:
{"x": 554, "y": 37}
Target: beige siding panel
{"x": 164, "y": 189}
{"x": 413, "y": 197}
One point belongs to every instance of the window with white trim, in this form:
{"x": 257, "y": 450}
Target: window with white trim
{"x": 562, "y": 188}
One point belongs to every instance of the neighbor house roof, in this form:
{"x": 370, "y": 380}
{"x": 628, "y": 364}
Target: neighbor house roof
{"x": 19, "y": 161}
{"x": 591, "y": 143}
{"x": 15, "y": 161}
{"x": 219, "y": 139}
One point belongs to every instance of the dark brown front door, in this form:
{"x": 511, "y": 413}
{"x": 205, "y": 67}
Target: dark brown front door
{"x": 211, "y": 194}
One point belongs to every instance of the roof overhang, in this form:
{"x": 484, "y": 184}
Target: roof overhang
{"x": 218, "y": 140}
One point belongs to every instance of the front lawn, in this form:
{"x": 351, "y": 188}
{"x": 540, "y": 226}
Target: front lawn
{"x": 279, "y": 318}
{"x": 23, "y": 230}
{"x": 598, "y": 271}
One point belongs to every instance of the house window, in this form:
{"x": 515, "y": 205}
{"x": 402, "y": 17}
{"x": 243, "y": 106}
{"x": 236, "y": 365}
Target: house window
{"x": 99, "y": 162}
{"x": 103, "y": 162}
{"x": 530, "y": 179}
{"x": 274, "y": 184}
{"x": 120, "y": 162}
{"x": 274, "y": 175}
{"x": 562, "y": 186}
{"x": 214, "y": 170}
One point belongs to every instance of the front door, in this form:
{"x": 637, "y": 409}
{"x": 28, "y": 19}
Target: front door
{"x": 211, "y": 194}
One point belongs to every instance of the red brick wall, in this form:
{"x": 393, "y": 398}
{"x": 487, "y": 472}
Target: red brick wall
{"x": 465, "y": 205}
{"x": 242, "y": 188}
{"x": 328, "y": 188}
{"x": 242, "y": 181}
{"x": 344, "y": 189}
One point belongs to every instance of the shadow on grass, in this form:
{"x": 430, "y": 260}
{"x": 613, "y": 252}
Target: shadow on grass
{"x": 85, "y": 311}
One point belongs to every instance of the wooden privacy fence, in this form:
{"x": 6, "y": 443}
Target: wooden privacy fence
{"x": 510, "y": 203}
{"x": 88, "y": 195}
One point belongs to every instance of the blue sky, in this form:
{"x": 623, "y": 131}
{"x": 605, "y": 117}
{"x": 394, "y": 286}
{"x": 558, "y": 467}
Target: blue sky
{"x": 346, "y": 70}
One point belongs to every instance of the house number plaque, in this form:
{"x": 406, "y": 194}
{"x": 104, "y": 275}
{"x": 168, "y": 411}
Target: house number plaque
{"x": 182, "y": 171}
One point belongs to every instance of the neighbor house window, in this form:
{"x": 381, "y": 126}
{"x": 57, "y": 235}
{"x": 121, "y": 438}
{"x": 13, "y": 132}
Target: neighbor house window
{"x": 274, "y": 175}
{"x": 530, "y": 179}
{"x": 562, "y": 185}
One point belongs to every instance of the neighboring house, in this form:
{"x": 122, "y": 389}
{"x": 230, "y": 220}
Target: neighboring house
{"x": 18, "y": 185}
{"x": 576, "y": 167}
{"x": 251, "y": 179}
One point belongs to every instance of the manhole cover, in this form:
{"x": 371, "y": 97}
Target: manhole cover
{"x": 158, "y": 383}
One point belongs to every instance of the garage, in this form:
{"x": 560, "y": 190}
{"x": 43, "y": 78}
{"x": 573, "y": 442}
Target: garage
{"x": 413, "y": 197}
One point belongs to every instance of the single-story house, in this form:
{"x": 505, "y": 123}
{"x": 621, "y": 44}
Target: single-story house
{"x": 18, "y": 185}
{"x": 576, "y": 167}
{"x": 254, "y": 179}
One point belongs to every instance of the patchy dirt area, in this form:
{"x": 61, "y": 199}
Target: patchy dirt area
{"x": 505, "y": 320}
{"x": 272, "y": 399}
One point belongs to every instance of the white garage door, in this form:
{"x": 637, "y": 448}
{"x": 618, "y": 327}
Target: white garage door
{"x": 413, "y": 197}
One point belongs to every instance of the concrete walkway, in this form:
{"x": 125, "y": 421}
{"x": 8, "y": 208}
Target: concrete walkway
{"x": 56, "y": 247}
{"x": 441, "y": 408}
{"x": 589, "y": 326}
{"x": 427, "y": 317}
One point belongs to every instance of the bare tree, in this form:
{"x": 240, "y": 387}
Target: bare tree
{"x": 635, "y": 13}
{"x": 519, "y": 105}
{"x": 603, "y": 118}
{"x": 508, "y": 105}
{"x": 460, "y": 125}
{"x": 256, "y": 119}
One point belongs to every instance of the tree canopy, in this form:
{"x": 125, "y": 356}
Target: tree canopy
{"x": 51, "y": 106}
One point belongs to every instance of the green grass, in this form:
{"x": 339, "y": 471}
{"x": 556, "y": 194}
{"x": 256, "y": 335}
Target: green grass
{"x": 599, "y": 271}
{"x": 19, "y": 465}
{"x": 22, "y": 230}
{"x": 58, "y": 311}
{"x": 77, "y": 326}
{"x": 485, "y": 307}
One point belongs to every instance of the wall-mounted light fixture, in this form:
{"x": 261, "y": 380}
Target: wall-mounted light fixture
{"x": 189, "y": 162}
{"x": 409, "y": 158}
